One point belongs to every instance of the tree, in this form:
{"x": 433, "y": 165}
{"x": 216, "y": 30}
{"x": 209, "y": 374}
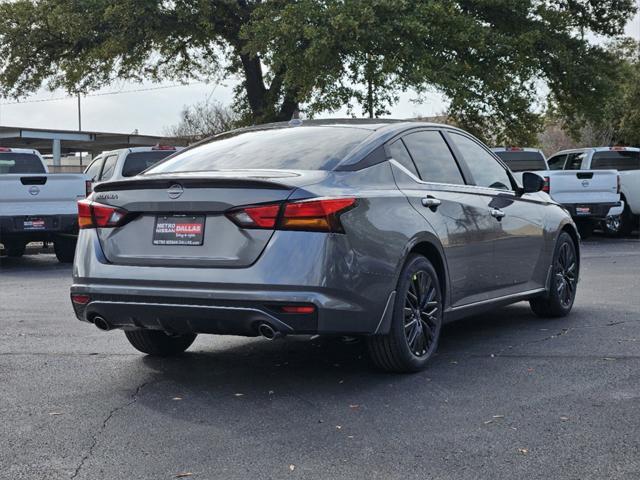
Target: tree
{"x": 488, "y": 57}
{"x": 203, "y": 120}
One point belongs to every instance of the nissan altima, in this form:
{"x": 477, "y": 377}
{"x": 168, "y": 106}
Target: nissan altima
{"x": 383, "y": 230}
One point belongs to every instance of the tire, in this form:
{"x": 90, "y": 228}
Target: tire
{"x": 158, "y": 343}
{"x": 414, "y": 332}
{"x": 14, "y": 249}
{"x": 558, "y": 302}
{"x": 585, "y": 228}
{"x": 65, "y": 248}
{"x": 628, "y": 221}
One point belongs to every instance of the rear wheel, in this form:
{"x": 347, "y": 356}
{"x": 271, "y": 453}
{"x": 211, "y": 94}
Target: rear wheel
{"x": 416, "y": 323}
{"x": 158, "y": 343}
{"x": 564, "y": 281}
{"x": 612, "y": 226}
{"x": 65, "y": 248}
{"x": 628, "y": 221}
{"x": 14, "y": 249}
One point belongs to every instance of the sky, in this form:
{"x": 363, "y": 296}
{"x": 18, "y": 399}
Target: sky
{"x": 151, "y": 111}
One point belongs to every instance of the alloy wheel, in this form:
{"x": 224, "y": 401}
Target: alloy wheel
{"x": 566, "y": 274}
{"x": 613, "y": 224}
{"x": 422, "y": 314}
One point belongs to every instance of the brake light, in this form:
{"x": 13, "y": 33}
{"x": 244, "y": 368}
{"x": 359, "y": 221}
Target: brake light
{"x": 514, "y": 149}
{"x": 322, "y": 215}
{"x": 80, "y": 299}
{"x": 162, "y": 147}
{"x": 547, "y": 185}
{"x": 5, "y": 149}
{"x": 97, "y": 215}
{"x": 618, "y": 149}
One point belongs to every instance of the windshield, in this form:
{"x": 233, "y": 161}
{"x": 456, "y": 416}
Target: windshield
{"x": 11, "y": 162}
{"x": 523, "y": 161}
{"x": 297, "y": 148}
{"x": 139, "y": 161}
{"x": 616, "y": 160}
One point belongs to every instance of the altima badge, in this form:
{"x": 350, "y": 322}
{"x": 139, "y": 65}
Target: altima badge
{"x": 175, "y": 191}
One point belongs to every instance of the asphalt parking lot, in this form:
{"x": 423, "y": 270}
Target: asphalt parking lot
{"x": 508, "y": 396}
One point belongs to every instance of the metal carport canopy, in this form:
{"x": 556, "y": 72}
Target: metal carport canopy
{"x": 48, "y": 141}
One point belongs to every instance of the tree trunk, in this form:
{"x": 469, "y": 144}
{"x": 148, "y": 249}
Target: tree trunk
{"x": 254, "y": 86}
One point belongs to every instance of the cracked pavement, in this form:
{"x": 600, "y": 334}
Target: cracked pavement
{"x": 508, "y": 396}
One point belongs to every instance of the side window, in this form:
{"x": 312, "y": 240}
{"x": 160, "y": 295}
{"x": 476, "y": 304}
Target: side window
{"x": 109, "y": 167}
{"x": 485, "y": 169}
{"x": 574, "y": 161}
{"x": 433, "y": 158}
{"x": 557, "y": 162}
{"x": 400, "y": 154}
{"x": 94, "y": 169}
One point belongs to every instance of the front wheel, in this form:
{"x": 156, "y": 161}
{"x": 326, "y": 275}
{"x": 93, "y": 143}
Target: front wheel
{"x": 564, "y": 281}
{"x": 158, "y": 343}
{"x": 417, "y": 319}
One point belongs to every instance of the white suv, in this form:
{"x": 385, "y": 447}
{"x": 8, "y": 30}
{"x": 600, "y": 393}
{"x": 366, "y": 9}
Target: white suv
{"x": 126, "y": 162}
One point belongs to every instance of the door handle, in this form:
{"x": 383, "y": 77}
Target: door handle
{"x": 431, "y": 202}
{"x": 498, "y": 214}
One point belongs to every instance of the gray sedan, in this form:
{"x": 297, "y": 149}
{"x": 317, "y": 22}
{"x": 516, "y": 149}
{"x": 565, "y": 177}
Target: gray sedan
{"x": 380, "y": 229}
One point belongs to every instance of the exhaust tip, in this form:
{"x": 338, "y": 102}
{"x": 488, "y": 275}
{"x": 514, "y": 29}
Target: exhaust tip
{"x": 101, "y": 324}
{"x": 268, "y": 332}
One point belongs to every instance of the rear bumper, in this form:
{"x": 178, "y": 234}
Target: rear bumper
{"x": 14, "y": 226}
{"x": 596, "y": 210}
{"x": 617, "y": 210}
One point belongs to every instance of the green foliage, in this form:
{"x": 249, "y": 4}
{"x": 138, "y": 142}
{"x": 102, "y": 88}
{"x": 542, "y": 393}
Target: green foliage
{"x": 490, "y": 58}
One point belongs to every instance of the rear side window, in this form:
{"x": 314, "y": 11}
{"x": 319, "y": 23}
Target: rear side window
{"x": 94, "y": 169}
{"x": 399, "y": 153}
{"x": 20, "y": 163}
{"x": 616, "y": 160}
{"x": 297, "y": 148}
{"x": 109, "y": 167}
{"x": 574, "y": 161}
{"x": 523, "y": 161}
{"x": 557, "y": 162}
{"x": 433, "y": 158}
{"x": 137, "y": 162}
{"x": 485, "y": 169}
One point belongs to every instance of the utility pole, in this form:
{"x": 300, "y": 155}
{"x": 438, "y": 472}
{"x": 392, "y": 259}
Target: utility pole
{"x": 79, "y": 114}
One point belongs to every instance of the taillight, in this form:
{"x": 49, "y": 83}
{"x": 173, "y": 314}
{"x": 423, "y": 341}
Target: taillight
{"x": 96, "y": 215}
{"x": 321, "y": 215}
{"x": 547, "y": 185}
{"x": 80, "y": 299}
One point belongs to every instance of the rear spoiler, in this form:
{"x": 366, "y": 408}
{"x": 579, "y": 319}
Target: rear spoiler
{"x": 192, "y": 182}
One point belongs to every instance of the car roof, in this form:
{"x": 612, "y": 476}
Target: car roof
{"x": 597, "y": 149}
{"x": 139, "y": 149}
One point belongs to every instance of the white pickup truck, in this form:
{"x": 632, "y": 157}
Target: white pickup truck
{"x": 590, "y": 195}
{"x": 626, "y": 160}
{"x": 36, "y": 205}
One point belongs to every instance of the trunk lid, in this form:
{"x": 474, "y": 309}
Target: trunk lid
{"x": 40, "y": 194}
{"x": 190, "y": 208}
{"x": 583, "y": 186}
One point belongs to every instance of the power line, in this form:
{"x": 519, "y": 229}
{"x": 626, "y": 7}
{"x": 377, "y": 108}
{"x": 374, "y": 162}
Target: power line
{"x": 136, "y": 90}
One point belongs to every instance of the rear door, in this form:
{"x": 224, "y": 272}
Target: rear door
{"x": 437, "y": 189}
{"x": 516, "y": 223}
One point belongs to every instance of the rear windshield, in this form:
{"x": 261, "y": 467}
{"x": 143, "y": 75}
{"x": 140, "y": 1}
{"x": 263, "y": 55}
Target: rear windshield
{"x": 523, "y": 161}
{"x": 621, "y": 160}
{"x": 139, "y": 161}
{"x": 20, "y": 163}
{"x": 296, "y": 148}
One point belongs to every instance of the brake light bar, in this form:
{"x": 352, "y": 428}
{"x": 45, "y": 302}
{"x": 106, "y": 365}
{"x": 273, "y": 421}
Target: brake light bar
{"x": 618, "y": 149}
{"x": 163, "y": 147}
{"x": 97, "y": 215}
{"x": 5, "y": 149}
{"x": 547, "y": 185}
{"x": 316, "y": 215}
{"x": 515, "y": 149}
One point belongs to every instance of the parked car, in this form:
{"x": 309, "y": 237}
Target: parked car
{"x": 626, "y": 161}
{"x": 381, "y": 229}
{"x": 126, "y": 162}
{"x": 590, "y": 196}
{"x": 36, "y": 205}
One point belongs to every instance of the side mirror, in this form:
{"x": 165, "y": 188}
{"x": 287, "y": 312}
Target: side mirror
{"x": 532, "y": 182}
